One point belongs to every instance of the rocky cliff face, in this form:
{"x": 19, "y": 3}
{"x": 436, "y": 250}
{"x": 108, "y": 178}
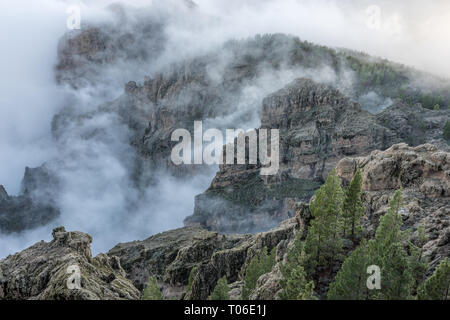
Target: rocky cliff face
{"x": 414, "y": 124}
{"x": 33, "y": 207}
{"x": 318, "y": 127}
{"x": 423, "y": 174}
{"x": 87, "y": 55}
{"x": 319, "y": 124}
{"x": 43, "y": 270}
{"x": 207, "y": 87}
{"x": 172, "y": 255}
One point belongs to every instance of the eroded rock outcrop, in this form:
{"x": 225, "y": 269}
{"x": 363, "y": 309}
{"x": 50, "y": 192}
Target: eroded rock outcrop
{"x": 42, "y": 271}
{"x": 85, "y": 56}
{"x": 34, "y": 206}
{"x": 423, "y": 174}
{"x": 172, "y": 255}
{"x": 318, "y": 127}
{"x": 414, "y": 124}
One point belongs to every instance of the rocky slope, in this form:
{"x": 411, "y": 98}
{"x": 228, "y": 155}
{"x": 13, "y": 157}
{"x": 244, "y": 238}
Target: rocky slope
{"x": 43, "y": 270}
{"x": 414, "y": 124}
{"x": 318, "y": 127}
{"x": 207, "y": 87}
{"x": 422, "y": 172}
{"x": 172, "y": 255}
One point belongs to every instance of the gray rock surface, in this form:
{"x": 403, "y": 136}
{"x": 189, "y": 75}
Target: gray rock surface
{"x": 39, "y": 272}
{"x": 42, "y": 272}
{"x": 171, "y": 256}
{"x": 318, "y": 127}
{"x": 423, "y": 174}
{"x": 34, "y": 206}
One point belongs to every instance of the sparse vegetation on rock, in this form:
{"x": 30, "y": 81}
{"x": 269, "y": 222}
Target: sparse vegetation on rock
{"x": 221, "y": 290}
{"x": 152, "y": 291}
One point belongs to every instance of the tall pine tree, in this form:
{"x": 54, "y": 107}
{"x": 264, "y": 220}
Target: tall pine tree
{"x": 418, "y": 262}
{"x": 437, "y": 287}
{"x": 389, "y": 229}
{"x": 258, "y": 266}
{"x": 152, "y": 291}
{"x": 353, "y": 208}
{"x": 323, "y": 245}
{"x": 387, "y": 252}
{"x": 396, "y": 276}
{"x": 351, "y": 281}
{"x": 295, "y": 284}
{"x": 221, "y": 291}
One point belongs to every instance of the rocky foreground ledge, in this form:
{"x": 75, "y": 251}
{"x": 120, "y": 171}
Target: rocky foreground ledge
{"x": 41, "y": 271}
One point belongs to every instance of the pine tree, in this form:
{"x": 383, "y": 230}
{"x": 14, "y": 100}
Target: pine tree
{"x": 397, "y": 278}
{"x": 192, "y": 274}
{"x": 152, "y": 291}
{"x": 308, "y": 292}
{"x": 323, "y": 243}
{"x": 353, "y": 208}
{"x": 295, "y": 284}
{"x": 437, "y": 287}
{"x": 387, "y": 252}
{"x": 297, "y": 287}
{"x": 389, "y": 229}
{"x": 252, "y": 273}
{"x": 267, "y": 261}
{"x": 418, "y": 262}
{"x": 258, "y": 266}
{"x": 221, "y": 291}
{"x": 446, "y": 132}
{"x": 350, "y": 282}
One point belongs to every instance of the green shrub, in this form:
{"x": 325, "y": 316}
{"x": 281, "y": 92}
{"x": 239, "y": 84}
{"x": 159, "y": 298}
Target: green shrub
{"x": 152, "y": 291}
{"x": 221, "y": 291}
{"x": 447, "y": 131}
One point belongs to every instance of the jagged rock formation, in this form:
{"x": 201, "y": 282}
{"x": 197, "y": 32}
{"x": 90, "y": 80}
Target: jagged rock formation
{"x": 423, "y": 174}
{"x": 414, "y": 124}
{"x": 41, "y": 272}
{"x": 129, "y": 38}
{"x": 86, "y": 54}
{"x": 205, "y": 87}
{"x": 211, "y": 87}
{"x": 246, "y": 204}
{"x": 34, "y": 206}
{"x": 318, "y": 127}
{"x": 172, "y": 255}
